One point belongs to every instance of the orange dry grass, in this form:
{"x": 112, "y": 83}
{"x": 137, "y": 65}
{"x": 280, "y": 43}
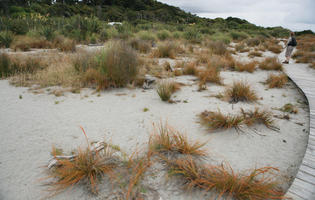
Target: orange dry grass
{"x": 190, "y": 69}
{"x": 225, "y": 181}
{"x": 276, "y": 81}
{"x": 225, "y": 61}
{"x": 216, "y": 120}
{"x": 271, "y": 63}
{"x": 166, "y": 140}
{"x": 306, "y": 50}
{"x": 87, "y": 167}
{"x": 258, "y": 117}
{"x": 253, "y": 54}
{"x": 211, "y": 74}
{"x": 240, "y": 91}
{"x": 249, "y": 67}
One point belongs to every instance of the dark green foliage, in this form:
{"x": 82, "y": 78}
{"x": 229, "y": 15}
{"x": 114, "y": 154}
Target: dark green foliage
{"x": 4, "y": 65}
{"x": 6, "y": 38}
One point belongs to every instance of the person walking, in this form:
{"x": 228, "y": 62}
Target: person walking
{"x": 291, "y": 44}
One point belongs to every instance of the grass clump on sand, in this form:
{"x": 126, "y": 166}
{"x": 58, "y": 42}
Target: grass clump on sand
{"x": 211, "y": 74}
{"x": 289, "y": 108}
{"x": 253, "y": 54}
{"x": 217, "y": 120}
{"x": 240, "y": 91}
{"x": 258, "y": 117}
{"x": 270, "y": 63}
{"x": 276, "y": 81}
{"x": 166, "y": 50}
{"x": 190, "y": 69}
{"x": 86, "y": 167}
{"x": 218, "y": 47}
{"x": 166, "y": 140}
{"x": 166, "y": 88}
{"x": 115, "y": 66}
{"x": 225, "y": 181}
{"x": 140, "y": 45}
{"x": 248, "y": 67}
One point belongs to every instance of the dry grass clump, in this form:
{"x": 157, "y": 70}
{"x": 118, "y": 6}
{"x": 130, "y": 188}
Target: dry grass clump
{"x": 166, "y": 50}
{"x": 203, "y": 57}
{"x": 275, "y": 48}
{"x": 25, "y": 43}
{"x": 241, "y": 47}
{"x": 289, "y": 108}
{"x": 312, "y": 65}
{"x": 305, "y": 50}
{"x": 240, "y": 91}
{"x": 302, "y": 56}
{"x": 225, "y": 181}
{"x": 211, "y": 74}
{"x": 166, "y": 88}
{"x": 258, "y": 117}
{"x": 217, "y": 120}
{"x": 65, "y": 44}
{"x": 190, "y": 68}
{"x": 115, "y": 66}
{"x": 276, "y": 81}
{"x": 140, "y": 45}
{"x": 86, "y": 166}
{"x": 221, "y": 62}
{"x": 218, "y": 47}
{"x": 21, "y": 65}
{"x": 271, "y": 63}
{"x": 253, "y": 54}
{"x": 166, "y": 140}
{"x": 248, "y": 67}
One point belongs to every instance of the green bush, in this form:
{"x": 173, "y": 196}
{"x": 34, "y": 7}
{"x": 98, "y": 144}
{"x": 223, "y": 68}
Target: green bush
{"x": 6, "y": 38}
{"x": 48, "y": 32}
{"x": 163, "y": 35}
{"x": 146, "y": 35}
{"x": 4, "y": 65}
{"x": 192, "y": 35}
{"x": 18, "y": 26}
{"x": 238, "y": 35}
{"x": 221, "y": 37}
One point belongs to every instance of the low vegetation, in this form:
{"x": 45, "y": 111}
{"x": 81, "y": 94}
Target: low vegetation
{"x": 305, "y": 50}
{"x": 190, "y": 68}
{"x": 166, "y": 140}
{"x": 248, "y": 67}
{"x": 257, "y": 116}
{"x": 225, "y": 181}
{"x": 276, "y": 81}
{"x": 289, "y": 108}
{"x": 167, "y": 50}
{"x": 166, "y": 88}
{"x": 210, "y": 74}
{"x": 240, "y": 91}
{"x": 253, "y": 54}
{"x": 271, "y": 63}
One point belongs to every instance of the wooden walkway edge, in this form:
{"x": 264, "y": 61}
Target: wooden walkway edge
{"x": 303, "y": 186}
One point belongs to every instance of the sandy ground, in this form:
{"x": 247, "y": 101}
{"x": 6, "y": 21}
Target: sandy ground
{"x": 30, "y": 125}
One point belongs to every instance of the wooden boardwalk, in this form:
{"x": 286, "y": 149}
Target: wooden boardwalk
{"x": 303, "y": 186}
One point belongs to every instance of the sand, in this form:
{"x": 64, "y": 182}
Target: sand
{"x": 31, "y": 123}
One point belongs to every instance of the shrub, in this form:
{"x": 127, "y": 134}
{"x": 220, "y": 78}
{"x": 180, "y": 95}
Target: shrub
{"x": 275, "y": 48}
{"x": 241, "y": 48}
{"x": 238, "y": 35}
{"x": 240, "y": 91}
{"x": 190, "y": 69}
{"x": 249, "y": 67}
{"x": 225, "y": 61}
{"x": 271, "y": 63}
{"x": 252, "y": 42}
{"x": 166, "y": 140}
{"x": 211, "y": 74}
{"x": 218, "y": 47}
{"x": 192, "y": 35}
{"x": 6, "y": 38}
{"x": 216, "y": 120}
{"x": 25, "y": 43}
{"x": 225, "y": 181}
{"x": 276, "y": 81}
{"x": 221, "y": 37}
{"x": 163, "y": 35}
{"x": 146, "y": 35}
{"x": 65, "y": 44}
{"x": 166, "y": 50}
{"x": 165, "y": 89}
{"x": 48, "y": 32}
{"x": 18, "y": 26}
{"x": 5, "y": 63}
{"x": 140, "y": 45}
{"x": 253, "y": 54}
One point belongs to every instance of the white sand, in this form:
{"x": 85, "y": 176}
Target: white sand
{"x": 31, "y": 125}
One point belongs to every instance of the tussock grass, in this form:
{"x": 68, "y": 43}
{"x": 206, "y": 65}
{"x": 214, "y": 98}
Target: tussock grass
{"x": 217, "y": 120}
{"x": 240, "y": 91}
{"x": 248, "y": 67}
{"x": 166, "y": 140}
{"x": 25, "y": 43}
{"x": 65, "y": 44}
{"x": 224, "y": 62}
{"x": 271, "y": 63}
{"x": 275, "y": 48}
{"x": 253, "y": 54}
{"x": 218, "y": 47}
{"x": 86, "y": 167}
{"x": 166, "y": 50}
{"x": 203, "y": 57}
{"x": 255, "y": 185}
{"x": 140, "y": 45}
{"x": 211, "y": 74}
{"x": 257, "y": 116}
{"x": 305, "y": 50}
{"x": 276, "y": 81}
{"x": 6, "y": 38}
{"x": 190, "y": 68}
{"x": 290, "y": 108}
{"x": 252, "y": 42}
{"x": 166, "y": 88}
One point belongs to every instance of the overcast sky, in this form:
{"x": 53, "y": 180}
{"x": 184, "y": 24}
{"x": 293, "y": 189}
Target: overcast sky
{"x": 296, "y": 15}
